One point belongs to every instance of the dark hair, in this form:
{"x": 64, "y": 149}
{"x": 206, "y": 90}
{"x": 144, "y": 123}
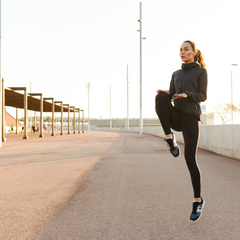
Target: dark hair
{"x": 198, "y": 57}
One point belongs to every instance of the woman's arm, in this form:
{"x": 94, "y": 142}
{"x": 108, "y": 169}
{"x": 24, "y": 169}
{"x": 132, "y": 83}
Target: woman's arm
{"x": 172, "y": 87}
{"x": 201, "y": 95}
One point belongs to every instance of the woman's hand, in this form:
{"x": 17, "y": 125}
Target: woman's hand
{"x": 159, "y": 90}
{"x": 181, "y": 95}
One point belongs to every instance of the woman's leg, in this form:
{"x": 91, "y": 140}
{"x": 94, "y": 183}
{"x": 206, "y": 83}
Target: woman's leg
{"x": 169, "y": 118}
{"x": 167, "y": 114}
{"x": 190, "y": 130}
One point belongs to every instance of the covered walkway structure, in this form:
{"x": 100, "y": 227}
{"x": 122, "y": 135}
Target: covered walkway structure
{"x": 19, "y": 98}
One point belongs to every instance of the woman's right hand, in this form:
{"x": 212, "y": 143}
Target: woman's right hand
{"x": 164, "y": 91}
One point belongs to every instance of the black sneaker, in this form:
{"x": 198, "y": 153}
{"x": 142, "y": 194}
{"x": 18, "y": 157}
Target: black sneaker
{"x": 173, "y": 147}
{"x": 197, "y": 210}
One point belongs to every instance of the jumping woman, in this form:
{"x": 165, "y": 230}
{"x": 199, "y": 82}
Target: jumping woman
{"x": 188, "y": 87}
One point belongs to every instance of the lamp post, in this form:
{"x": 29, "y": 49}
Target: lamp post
{"x": 140, "y": 30}
{"x": 232, "y": 94}
{"x": 110, "y": 109}
{"x": 127, "y": 103}
{"x": 88, "y": 86}
{"x": 140, "y": 21}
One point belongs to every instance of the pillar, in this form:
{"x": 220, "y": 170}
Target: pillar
{"x": 68, "y": 119}
{"x": 17, "y": 131}
{"x": 61, "y": 116}
{"x": 25, "y": 136}
{"x": 79, "y": 125}
{"x": 25, "y": 106}
{"x": 3, "y": 113}
{"x": 62, "y": 119}
{"x": 35, "y": 120}
{"x": 74, "y": 120}
{"x": 41, "y": 116}
{"x": 53, "y": 109}
{"x": 41, "y": 113}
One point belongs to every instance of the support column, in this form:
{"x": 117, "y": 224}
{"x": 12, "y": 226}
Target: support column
{"x": 53, "y": 110}
{"x": 3, "y": 113}
{"x": 79, "y": 126}
{"x": 17, "y": 131}
{"x": 25, "y": 106}
{"x": 61, "y": 116}
{"x": 41, "y": 116}
{"x": 74, "y": 120}
{"x": 25, "y": 136}
{"x": 41, "y": 113}
{"x": 68, "y": 117}
{"x": 35, "y": 120}
{"x": 62, "y": 119}
{"x": 79, "y": 121}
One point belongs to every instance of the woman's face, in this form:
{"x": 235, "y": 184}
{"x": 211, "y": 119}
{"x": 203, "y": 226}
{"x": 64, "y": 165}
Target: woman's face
{"x": 186, "y": 53}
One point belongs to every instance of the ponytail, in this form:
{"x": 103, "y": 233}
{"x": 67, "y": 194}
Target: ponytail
{"x": 198, "y": 57}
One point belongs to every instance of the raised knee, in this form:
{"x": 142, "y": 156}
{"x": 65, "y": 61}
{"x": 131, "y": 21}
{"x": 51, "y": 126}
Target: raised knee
{"x": 161, "y": 96}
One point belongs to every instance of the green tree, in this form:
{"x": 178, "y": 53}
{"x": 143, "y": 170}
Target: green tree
{"x": 48, "y": 119}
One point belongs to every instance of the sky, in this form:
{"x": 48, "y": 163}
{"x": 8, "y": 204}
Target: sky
{"x": 60, "y": 45}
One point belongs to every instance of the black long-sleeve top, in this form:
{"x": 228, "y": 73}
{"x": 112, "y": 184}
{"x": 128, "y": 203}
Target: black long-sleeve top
{"x": 191, "y": 79}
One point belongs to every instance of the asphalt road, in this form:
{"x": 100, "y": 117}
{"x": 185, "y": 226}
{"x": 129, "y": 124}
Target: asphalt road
{"x": 116, "y": 186}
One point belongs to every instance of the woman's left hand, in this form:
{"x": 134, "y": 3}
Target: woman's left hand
{"x": 181, "y": 95}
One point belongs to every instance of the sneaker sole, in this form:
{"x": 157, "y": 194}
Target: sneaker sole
{"x": 200, "y": 214}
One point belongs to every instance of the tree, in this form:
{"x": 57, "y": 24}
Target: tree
{"x": 48, "y": 118}
{"x": 224, "y": 111}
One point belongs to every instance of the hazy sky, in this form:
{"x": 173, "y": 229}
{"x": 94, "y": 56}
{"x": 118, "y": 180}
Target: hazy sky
{"x": 60, "y": 45}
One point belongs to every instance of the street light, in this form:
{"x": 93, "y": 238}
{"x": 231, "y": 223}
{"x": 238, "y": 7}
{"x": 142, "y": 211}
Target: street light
{"x": 110, "y": 109}
{"x": 140, "y": 30}
{"x": 127, "y": 103}
{"x": 235, "y": 65}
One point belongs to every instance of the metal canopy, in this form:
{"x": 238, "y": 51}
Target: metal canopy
{"x": 16, "y": 99}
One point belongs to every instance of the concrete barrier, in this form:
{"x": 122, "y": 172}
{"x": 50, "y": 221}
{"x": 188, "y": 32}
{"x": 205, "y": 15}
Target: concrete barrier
{"x": 221, "y": 139}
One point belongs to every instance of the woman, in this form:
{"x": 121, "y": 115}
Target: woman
{"x": 188, "y": 88}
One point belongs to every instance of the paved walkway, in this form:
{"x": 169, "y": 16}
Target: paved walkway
{"x": 106, "y": 186}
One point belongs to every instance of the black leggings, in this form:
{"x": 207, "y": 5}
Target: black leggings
{"x": 189, "y": 126}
